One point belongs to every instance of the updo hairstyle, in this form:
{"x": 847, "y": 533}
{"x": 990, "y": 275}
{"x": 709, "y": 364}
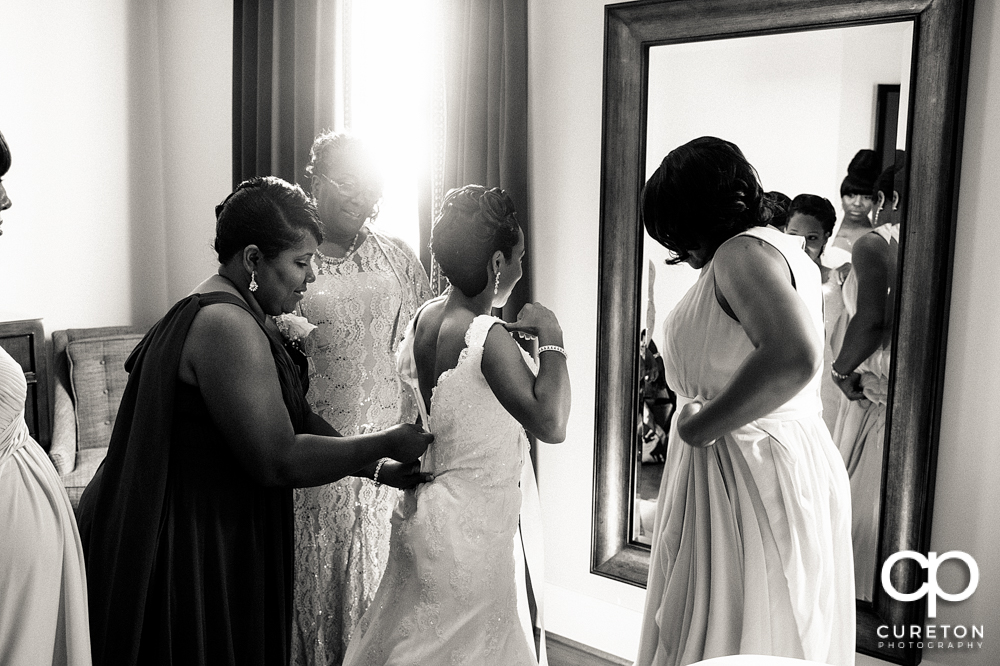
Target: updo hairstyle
{"x": 816, "y": 206}
{"x": 474, "y": 223}
{"x": 268, "y": 212}
{"x": 893, "y": 179}
{"x": 702, "y": 194}
{"x": 861, "y": 174}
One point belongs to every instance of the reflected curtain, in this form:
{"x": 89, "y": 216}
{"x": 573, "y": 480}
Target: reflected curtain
{"x": 289, "y": 78}
{"x": 485, "y": 71}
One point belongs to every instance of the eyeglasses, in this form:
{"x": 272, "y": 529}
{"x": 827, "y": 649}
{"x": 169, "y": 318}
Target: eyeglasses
{"x": 350, "y": 189}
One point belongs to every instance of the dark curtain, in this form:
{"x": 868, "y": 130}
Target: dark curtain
{"x": 486, "y": 108}
{"x": 285, "y": 73}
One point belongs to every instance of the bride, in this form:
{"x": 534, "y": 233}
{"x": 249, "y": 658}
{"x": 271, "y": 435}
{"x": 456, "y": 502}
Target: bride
{"x": 448, "y": 594}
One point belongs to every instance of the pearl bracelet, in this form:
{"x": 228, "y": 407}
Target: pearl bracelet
{"x": 378, "y": 468}
{"x": 555, "y": 348}
{"x": 837, "y": 375}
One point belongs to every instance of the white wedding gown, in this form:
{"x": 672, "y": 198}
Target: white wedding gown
{"x": 449, "y": 595}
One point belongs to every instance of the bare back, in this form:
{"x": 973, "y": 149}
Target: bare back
{"x": 439, "y": 338}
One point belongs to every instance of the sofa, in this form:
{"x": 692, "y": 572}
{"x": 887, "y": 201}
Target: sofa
{"x": 88, "y": 376}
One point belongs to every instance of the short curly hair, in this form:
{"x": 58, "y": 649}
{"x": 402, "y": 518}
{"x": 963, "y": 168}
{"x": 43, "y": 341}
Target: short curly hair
{"x": 474, "y": 222}
{"x": 702, "y": 194}
{"x": 815, "y": 206}
{"x": 330, "y": 147}
{"x": 268, "y": 212}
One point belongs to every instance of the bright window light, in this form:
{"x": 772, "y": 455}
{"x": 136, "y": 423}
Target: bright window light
{"x": 391, "y": 51}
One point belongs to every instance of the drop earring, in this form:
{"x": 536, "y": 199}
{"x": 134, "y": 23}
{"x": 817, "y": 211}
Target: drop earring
{"x": 253, "y": 280}
{"x": 496, "y": 284}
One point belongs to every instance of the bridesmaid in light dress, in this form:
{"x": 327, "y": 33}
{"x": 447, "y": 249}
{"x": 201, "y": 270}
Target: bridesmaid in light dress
{"x": 751, "y": 546}
{"x": 43, "y": 585}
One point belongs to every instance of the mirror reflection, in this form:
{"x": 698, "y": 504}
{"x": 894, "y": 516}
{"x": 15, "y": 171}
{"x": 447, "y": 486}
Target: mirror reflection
{"x": 820, "y": 116}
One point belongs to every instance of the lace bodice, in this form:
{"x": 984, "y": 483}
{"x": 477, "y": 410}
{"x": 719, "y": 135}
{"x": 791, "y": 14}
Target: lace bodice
{"x": 474, "y": 434}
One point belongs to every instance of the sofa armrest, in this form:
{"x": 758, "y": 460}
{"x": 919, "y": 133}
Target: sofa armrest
{"x": 63, "y": 448}
{"x": 62, "y": 451}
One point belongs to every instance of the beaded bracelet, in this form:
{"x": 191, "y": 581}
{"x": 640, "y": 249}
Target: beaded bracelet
{"x": 555, "y": 348}
{"x": 837, "y": 375}
{"x": 378, "y": 468}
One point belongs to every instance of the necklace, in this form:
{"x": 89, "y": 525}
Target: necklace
{"x": 354, "y": 241}
{"x": 347, "y": 252}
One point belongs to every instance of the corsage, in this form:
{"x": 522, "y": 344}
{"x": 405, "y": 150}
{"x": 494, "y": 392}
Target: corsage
{"x": 294, "y": 329}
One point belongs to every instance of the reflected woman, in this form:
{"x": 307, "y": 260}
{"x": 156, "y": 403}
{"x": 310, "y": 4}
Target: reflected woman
{"x": 813, "y": 218}
{"x": 856, "y": 199}
{"x": 861, "y": 369}
{"x": 751, "y": 550}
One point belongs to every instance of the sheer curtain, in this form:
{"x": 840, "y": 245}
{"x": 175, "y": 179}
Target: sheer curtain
{"x": 290, "y": 81}
{"x": 292, "y": 78}
{"x": 485, "y": 89}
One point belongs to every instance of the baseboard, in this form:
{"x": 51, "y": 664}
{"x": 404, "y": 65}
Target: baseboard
{"x": 566, "y": 652}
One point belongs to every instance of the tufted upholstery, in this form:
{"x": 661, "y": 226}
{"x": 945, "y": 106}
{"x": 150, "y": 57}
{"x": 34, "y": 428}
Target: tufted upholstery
{"x": 89, "y": 379}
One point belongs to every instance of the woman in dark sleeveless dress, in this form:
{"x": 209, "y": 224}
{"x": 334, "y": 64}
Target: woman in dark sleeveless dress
{"x": 187, "y": 527}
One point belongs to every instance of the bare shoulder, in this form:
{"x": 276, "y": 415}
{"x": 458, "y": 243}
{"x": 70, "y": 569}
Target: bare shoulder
{"x": 748, "y": 257}
{"x": 871, "y": 244}
{"x": 500, "y": 344}
{"x": 222, "y": 333}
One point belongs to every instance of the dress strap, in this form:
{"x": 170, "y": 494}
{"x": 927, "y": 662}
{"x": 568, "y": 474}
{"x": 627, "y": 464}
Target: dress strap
{"x": 480, "y": 327}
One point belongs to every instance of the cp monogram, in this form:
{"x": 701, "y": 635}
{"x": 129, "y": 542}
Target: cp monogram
{"x": 931, "y": 588}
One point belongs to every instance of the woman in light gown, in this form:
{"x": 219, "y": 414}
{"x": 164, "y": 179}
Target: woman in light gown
{"x": 449, "y": 593}
{"x": 751, "y": 546}
{"x": 43, "y": 585}
{"x": 813, "y": 218}
{"x": 861, "y": 369}
{"x": 368, "y": 287}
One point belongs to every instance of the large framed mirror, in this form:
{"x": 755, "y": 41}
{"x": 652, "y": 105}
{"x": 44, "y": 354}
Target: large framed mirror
{"x": 800, "y": 86}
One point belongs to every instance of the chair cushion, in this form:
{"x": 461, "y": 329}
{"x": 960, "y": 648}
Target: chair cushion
{"x": 97, "y": 380}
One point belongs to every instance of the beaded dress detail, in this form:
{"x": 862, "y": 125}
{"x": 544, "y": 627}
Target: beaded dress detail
{"x": 449, "y": 593}
{"x": 360, "y": 304}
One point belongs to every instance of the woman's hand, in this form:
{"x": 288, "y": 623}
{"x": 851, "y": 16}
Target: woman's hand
{"x": 536, "y": 321}
{"x": 402, "y": 475}
{"x": 407, "y": 442}
{"x": 688, "y": 425}
{"x": 850, "y": 386}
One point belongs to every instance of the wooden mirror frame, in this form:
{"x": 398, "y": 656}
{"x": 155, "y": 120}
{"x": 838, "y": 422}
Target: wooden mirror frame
{"x": 941, "y": 39}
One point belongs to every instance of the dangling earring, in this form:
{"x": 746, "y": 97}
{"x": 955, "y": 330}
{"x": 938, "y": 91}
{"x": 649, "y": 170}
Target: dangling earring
{"x": 253, "y": 280}
{"x": 496, "y": 284}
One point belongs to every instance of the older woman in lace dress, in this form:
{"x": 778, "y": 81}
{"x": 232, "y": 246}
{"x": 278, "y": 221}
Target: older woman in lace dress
{"x": 368, "y": 287}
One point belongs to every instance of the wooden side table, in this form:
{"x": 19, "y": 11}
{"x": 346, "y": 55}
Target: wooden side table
{"x": 25, "y": 341}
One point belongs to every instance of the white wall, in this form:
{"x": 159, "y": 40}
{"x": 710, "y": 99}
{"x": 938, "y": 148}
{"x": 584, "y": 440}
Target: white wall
{"x": 63, "y": 110}
{"x": 798, "y": 105}
{"x": 119, "y": 121}
{"x": 565, "y": 60}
